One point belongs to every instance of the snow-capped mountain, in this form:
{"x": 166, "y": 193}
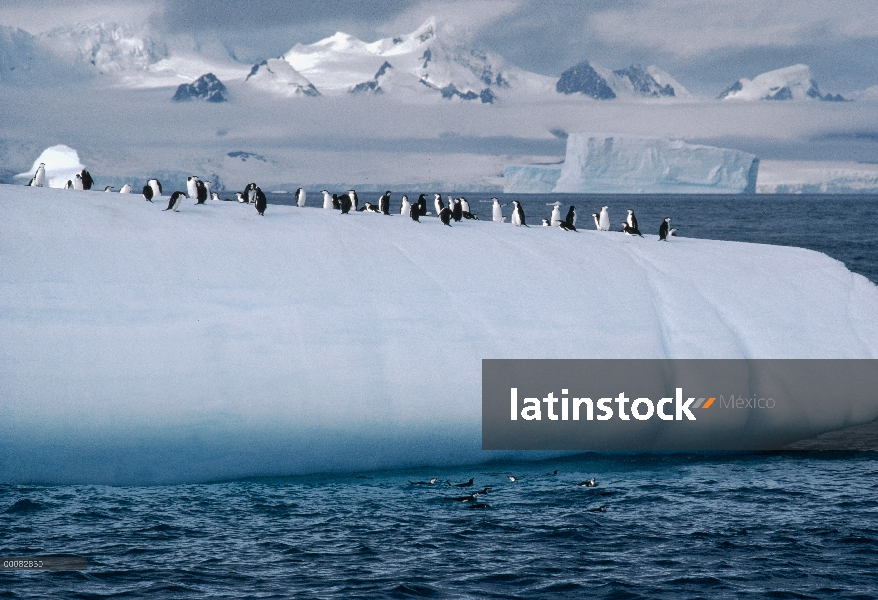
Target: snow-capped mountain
{"x": 276, "y": 76}
{"x": 23, "y": 60}
{"x": 107, "y": 47}
{"x": 632, "y": 82}
{"x": 790, "y": 83}
{"x": 207, "y": 88}
{"x": 425, "y": 63}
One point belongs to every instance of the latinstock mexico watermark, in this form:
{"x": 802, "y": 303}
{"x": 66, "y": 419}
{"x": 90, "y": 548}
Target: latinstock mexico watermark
{"x": 670, "y": 404}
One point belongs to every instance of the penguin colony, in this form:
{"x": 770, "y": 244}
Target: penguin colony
{"x": 456, "y": 209}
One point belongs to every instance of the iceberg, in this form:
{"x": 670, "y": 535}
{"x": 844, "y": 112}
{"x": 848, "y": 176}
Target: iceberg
{"x": 142, "y": 345}
{"x": 631, "y": 164}
{"x": 62, "y": 165}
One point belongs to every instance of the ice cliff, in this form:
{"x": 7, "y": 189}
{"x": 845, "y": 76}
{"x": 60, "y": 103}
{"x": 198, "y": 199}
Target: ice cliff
{"x": 628, "y": 164}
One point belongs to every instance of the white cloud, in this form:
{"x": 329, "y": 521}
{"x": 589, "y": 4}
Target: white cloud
{"x": 689, "y": 28}
{"x": 463, "y": 17}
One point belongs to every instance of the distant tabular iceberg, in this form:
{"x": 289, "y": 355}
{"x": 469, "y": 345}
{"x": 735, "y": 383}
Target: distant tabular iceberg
{"x": 629, "y": 164}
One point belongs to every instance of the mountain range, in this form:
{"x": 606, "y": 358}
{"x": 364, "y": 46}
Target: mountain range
{"x": 426, "y": 64}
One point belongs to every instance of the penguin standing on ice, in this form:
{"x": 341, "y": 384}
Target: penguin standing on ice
{"x": 191, "y": 186}
{"x": 87, "y": 181}
{"x": 39, "y": 178}
{"x": 438, "y": 204}
{"x": 68, "y": 185}
{"x": 327, "y": 200}
{"x": 567, "y": 226}
{"x": 406, "y": 208}
{"x": 156, "y": 186}
{"x": 570, "y": 219}
{"x": 250, "y": 193}
{"x": 77, "y": 182}
{"x": 384, "y": 203}
{"x": 415, "y": 211}
{"x": 665, "y": 230}
{"x": 175, "y": 201}
{"x": 555, "y": 219}
{"x": 336, "y": 204}
{"x": 445, "y": 216}
{"x": 518, "y": 214}
{"x": 355, "y": 202}
{"x": 201, "y": 191}
{"x": 147, "y": 193}
{"x": 604, "y": 219}
{"x": 261, "y": 202}
{"x": 126, "y": 189}
{"x": 457, "y": 211}
{"x": 300, "y": 197}
{"x": 345, "y": 201}
{"x": 214, "y": 196}
{"x": 422, "y": 205}
{"x": 240, "y": 197}
{"x": 497, "y": 211}
{"x": 597, "y": 220}
{"x": 631, "y": 220}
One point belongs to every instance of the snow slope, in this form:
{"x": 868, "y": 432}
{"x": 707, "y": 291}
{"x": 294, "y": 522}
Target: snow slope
{"x": 788, "y": 83}
{"x": 146, "y": 345}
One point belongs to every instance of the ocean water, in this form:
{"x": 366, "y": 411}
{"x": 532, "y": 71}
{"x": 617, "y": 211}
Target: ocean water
{"x": 747, "y": 525}
{"x": 844, "y": 227}
{"x": 780, "y": 525}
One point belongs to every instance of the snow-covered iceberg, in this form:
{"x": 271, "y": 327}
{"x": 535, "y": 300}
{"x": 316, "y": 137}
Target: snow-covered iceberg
{"x": 149, "y": 345}
{"x": 631, "y": 164}
{"x": 62, "y": 165}
{"x": 812, "y": 177}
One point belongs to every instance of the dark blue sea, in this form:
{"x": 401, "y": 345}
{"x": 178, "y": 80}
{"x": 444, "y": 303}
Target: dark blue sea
{"x": 729, "y": 525}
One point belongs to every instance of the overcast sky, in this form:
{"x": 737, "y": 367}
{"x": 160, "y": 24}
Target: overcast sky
{"x": 706, "y": 45}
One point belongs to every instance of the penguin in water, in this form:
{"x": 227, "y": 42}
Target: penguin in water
{"x": 438, "y": 204}
{"x": 498, "y": 211}
{"x": 415, "y": 212}
{"x": 627, "y": 229}
{"x": 518, "y": 214}
{"x": 604, "y": 219}
{"x": 147, "y": 193}
{"x": 39, "y": 178}
{"x": 87, "y": 181}
{"x": 261, "y": 202}
{"x": 422, "y": 205}
{"x": 156, "y": 186}
{"x": 570, "y": 219}
{"x": 406, "y": 208}
{"x": 631, "y": 220}
{"x": 384, "y": 203}
{"x": 445, "y": 216}
{"x": 355, "y": 202}
{"x": 327, "y": 200}
{"x": 555, "y": 219}
{"x": 175, "y": 201}
{"x": 126, "y": 189}
{"x": 346, "y": 203}
{"x": 665, "y": 230}
{"x": 201, "y": 191}
{"x": 457, "y": 211}
{"x": 467, "y": 214}
{"x": 300, "y": 197}
{"x": 336, "y": 203}
{"x": 587, "y": 483}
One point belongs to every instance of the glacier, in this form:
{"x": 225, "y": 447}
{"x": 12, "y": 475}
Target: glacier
{"x": 633, "y": 164}
{"x": 141, "y": 345}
